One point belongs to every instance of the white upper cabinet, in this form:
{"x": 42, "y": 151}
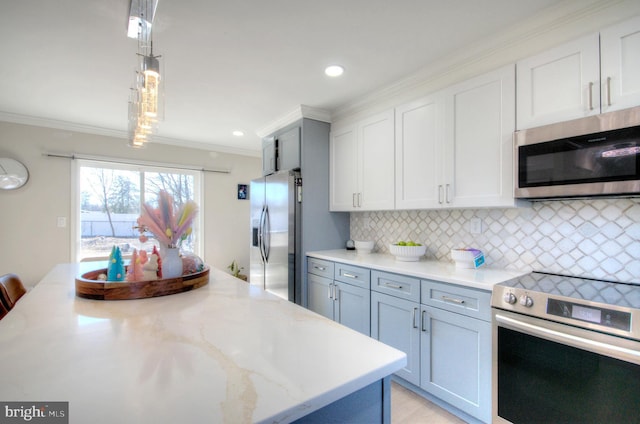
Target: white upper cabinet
{"x": 454, "y": 148}
{"x": 559, "y": 84}
{"x": 343, "y": 166}
{"x": 594, "y": 74}
{"x": 479, "y": 126}
{"x": 362, "y": 165}
{"x": 620, "y": 56}
{"x": 419, "y": 152}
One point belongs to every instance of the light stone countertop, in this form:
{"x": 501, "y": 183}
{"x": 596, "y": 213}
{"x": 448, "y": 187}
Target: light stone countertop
{"x": 228, "y": 352}
{"x": 483, "y": 278}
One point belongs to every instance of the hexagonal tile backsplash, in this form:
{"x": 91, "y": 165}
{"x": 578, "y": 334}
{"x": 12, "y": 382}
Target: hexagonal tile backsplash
{"x": 597, "y": 238}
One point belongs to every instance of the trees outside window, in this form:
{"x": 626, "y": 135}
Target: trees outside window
{"x": 110, "y": 200}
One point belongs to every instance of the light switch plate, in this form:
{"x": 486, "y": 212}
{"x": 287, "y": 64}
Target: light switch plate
{"x": 475, "y": 226}
{"x": 62, "y": 221}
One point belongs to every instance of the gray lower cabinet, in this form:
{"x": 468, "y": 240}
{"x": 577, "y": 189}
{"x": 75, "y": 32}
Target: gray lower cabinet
{"x": 394, "y": 321}
{"x": 455, "y": 352}
{"x": 345, "y": 298}
{"x": 445, "y": 330}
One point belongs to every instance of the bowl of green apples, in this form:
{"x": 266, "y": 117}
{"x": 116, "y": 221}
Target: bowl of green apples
{"x": 407, "y": 251}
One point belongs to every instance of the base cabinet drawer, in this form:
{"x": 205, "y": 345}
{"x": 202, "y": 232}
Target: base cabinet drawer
{"x": 463, "y": 300}
{"x": 350, "y": 274}
{"x": 396, "y": 285}
{"x": 320, "y": 267}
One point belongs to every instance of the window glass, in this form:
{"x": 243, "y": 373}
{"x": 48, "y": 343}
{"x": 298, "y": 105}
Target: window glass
{"x": 110, "y": 201}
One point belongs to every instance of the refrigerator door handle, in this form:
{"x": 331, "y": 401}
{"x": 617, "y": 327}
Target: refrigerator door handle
{"x": 261, "y": 234}
{"x": 266, "y": 239}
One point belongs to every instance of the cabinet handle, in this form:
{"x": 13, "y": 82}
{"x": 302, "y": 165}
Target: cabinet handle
{"x": 423, "y": 327}
{"x": 453, "y": 300}
{"x": 320, "y": 268}
{"x": 608, "y": 91}
{"x": 335, "y": 292}
{"x": 591, "y": 96}
{"x": 346, "y": 274}
{"x": 415, "y": 324}
{"x": 446, "y": 193}
{"x": 440, "y": 194}
{"x": 359, "y": 200}
{"x": 329, "y": 293}
{"x": 353, "y": 200}
{"x": 393, "y": 286}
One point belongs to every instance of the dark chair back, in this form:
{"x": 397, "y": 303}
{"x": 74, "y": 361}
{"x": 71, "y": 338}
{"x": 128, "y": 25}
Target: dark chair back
{"x": 11, "y": 289}
{"x": 3, "y": 310}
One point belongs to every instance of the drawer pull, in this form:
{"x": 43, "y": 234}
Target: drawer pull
{"x": 346, "y": 274}
{"x": 320, "y": 268}
{"x": 393, "y": 286}
{"x": 453, "y": 300}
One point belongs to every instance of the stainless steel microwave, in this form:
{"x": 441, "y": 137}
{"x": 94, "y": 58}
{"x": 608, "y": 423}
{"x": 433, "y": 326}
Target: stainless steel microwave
{"x": 594, "y": 156}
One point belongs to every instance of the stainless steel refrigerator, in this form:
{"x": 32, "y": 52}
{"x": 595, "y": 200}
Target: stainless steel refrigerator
{"x": 276, "y": 262}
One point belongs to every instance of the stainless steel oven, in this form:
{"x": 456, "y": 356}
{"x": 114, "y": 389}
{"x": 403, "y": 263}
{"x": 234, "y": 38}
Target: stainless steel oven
{"x": 565, "y": 350}
{"x": 593, "y": 156}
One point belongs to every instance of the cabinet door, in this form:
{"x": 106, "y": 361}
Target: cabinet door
{"x": 268, "y": 156}
{"x": 480, "y": 121}
{"x": 394, "y": 322}
{"x": 377, "y": 167}
{"x": 319, "y": 295}
{"x": 559, "y": 84}
{"x": 289, "y": 149}
{"x": 352, "y": 307}
{"x": 343, "y": 168}
{"x": 456, "y": 360}
{"x": 418, "y": 157}
{"x": 620, "y": 65}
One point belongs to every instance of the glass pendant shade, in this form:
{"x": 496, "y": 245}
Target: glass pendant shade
{"x": 145, "y": 102}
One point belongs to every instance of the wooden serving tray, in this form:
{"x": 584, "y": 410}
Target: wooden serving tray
{"x": 89, "y": 287}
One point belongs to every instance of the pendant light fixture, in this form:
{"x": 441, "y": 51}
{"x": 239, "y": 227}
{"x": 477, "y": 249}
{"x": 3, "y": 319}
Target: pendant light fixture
{"x": 145, "y": 97}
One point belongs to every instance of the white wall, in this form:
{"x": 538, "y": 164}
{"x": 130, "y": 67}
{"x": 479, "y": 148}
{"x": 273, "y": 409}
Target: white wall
{"x": 32, "y": 243}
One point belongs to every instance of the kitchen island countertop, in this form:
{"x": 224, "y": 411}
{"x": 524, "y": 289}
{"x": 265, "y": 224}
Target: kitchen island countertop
{"x": 227, "y": 352}
{"x": 483, "y": 278}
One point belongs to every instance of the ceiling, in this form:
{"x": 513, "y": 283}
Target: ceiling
{"x": 228, "y": 65}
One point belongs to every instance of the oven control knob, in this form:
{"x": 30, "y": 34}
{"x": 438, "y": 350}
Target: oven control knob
{"x": 510, "y": 298}
{"x": 526, "y": 301}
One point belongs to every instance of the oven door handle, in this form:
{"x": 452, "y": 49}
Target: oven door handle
{"x": 601, "y": 348}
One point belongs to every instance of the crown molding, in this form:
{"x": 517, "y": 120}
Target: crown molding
{"x": 107, "y": 132}
{"x": 301, "y": 111}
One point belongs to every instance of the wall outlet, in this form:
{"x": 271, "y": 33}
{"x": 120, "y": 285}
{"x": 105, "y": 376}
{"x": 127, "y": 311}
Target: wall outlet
{"x": 475, "y": 226}
{"x": 62, "y": 221}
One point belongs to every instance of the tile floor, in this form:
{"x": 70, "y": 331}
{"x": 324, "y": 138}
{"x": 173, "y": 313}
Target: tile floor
{"x": 410, "y": 408}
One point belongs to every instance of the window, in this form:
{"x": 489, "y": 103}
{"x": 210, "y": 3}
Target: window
{"x": 110, "y": 200}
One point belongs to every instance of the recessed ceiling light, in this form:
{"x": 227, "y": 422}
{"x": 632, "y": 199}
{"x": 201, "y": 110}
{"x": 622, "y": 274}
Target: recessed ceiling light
{"x": 238, "y": 133}
{"x": 334, "y": 70}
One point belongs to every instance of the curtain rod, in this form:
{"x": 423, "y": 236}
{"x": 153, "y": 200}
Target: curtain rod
{"x": 74, "y": 156}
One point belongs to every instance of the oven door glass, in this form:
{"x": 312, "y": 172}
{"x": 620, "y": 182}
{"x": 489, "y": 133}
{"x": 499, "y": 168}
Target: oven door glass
{"x": 597, "y": 158}
{"x": 542, "y": 381}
